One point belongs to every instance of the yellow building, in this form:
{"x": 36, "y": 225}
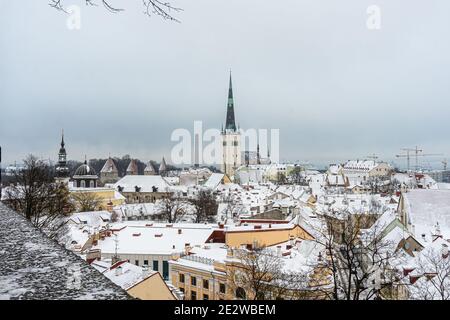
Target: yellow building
{"x": 140, "y": 283}
{"x": 205, "y": 273}
{"x": 103, "y": 198}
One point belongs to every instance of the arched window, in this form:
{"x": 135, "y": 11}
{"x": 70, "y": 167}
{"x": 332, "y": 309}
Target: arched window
{"x": 240, "y": 293}
{"x": 92, "y": 184}
{"x": 83, "y": 184}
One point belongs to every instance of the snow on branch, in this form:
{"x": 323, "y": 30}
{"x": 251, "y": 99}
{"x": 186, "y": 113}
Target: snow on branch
{"x": 151, "y": 7}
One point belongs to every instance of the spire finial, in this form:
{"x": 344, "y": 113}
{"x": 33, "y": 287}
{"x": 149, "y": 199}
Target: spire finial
{"x": 85, "y": 159}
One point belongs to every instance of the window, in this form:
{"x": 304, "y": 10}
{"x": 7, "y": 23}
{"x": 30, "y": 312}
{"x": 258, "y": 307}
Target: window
{"x": 205, "y": 284}
{"x": 224, "y": 143}
{"x": 181, "y": 277}
{"x": 193, "y": 295}
{"x": 82, "y": 184}
{"x": 155, "y": 265}
{"x": 91, "y": 184}
{"x": 240, "y": 293}
{"x": 205, "y": 297}
{"x": 166, "y": 270}
{"x": 194, "y": 281}
{"x": 145, "y": 262}
{"x": 136, "y": 262}
{"x": 222, "y": 288}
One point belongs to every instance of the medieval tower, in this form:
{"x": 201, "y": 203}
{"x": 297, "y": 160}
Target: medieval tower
{"x": 231, "y": 139}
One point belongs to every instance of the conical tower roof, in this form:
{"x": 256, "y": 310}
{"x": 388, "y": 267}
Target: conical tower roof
{"x": 132, "y": 168}
{"x": 109, "y": 167}
{"x": 149, "y": 169}
{"x": 162, "y": 166}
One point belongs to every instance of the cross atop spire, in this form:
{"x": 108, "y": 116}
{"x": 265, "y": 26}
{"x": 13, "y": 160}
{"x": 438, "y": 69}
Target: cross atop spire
{"x": 230, "y": 122}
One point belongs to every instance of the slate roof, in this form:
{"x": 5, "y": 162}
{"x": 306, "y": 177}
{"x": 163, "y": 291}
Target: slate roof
{"x": 36, "y": 267}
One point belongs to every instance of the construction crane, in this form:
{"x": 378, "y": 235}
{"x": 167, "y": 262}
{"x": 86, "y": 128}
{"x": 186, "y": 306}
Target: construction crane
{"x": 444, "y": 162}
{"x": 417, "y": 153}
{"x": 374, "y": 157}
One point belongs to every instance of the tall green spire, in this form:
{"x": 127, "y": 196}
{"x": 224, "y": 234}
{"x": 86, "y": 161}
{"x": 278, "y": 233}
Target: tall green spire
{"x": 230, "y": 123}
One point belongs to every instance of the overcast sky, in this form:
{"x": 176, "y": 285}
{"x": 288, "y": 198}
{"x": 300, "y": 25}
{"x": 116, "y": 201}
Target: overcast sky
{"x": 311, "y": 68}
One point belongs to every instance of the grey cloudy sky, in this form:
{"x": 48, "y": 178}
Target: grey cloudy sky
{"x": 311, "y": 68}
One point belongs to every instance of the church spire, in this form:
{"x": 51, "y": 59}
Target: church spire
{"x": 62, "y": 171}
{"x": 230, "y": 123}
{"x": 62, "y": 138}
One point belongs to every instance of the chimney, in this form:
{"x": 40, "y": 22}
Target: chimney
{"x": 279, "y": 251}
{"x": 444, "y": 251}
{"x": 413, "y": 279}
{"x": 145, "y": 272}
{"x": 179, "y": 231}
{"x": 118, "y": 270}
{"x": 229, "y": 252}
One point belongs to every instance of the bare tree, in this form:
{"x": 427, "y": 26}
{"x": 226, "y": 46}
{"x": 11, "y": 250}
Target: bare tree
{"x": 205, "y": 206}
{"x": 297, "y": 176}
{"x": 86, "y": 201}
{"x": 233, "y": 207}
{"x": 354, "y": 257}
{"x": 42, "y": 201}
{"x": 164, "y": 9}
{"x": 171, "y": 209}
{"x": 433, "y": 267}
{"x": 255, "y": 270}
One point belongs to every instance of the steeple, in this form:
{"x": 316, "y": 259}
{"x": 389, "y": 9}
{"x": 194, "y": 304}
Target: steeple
{"x": 62, "y": 139}
{"x": 62, "y": 171}
{"x": 230, "y": 122}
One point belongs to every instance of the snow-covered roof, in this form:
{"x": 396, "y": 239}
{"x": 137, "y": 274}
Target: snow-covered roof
{"x": 154, "y": 238}
{"x": 109, "y": 167}
{"x": 31, "y": 262}
{"x": 364, "y": 165}
{"x": 132, "y": 167}
{"x": 127, "y": 275}
{"x": 146, "y": 183}
{"x": 149, "y": 168}
{"x": 202, "y": 257}
{"x": 426, "y": 208}
{"x": 214, "y": 180}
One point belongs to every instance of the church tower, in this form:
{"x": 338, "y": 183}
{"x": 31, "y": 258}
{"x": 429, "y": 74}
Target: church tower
{"x": 231, "y": 139}
{"x": 62, "y": 171}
